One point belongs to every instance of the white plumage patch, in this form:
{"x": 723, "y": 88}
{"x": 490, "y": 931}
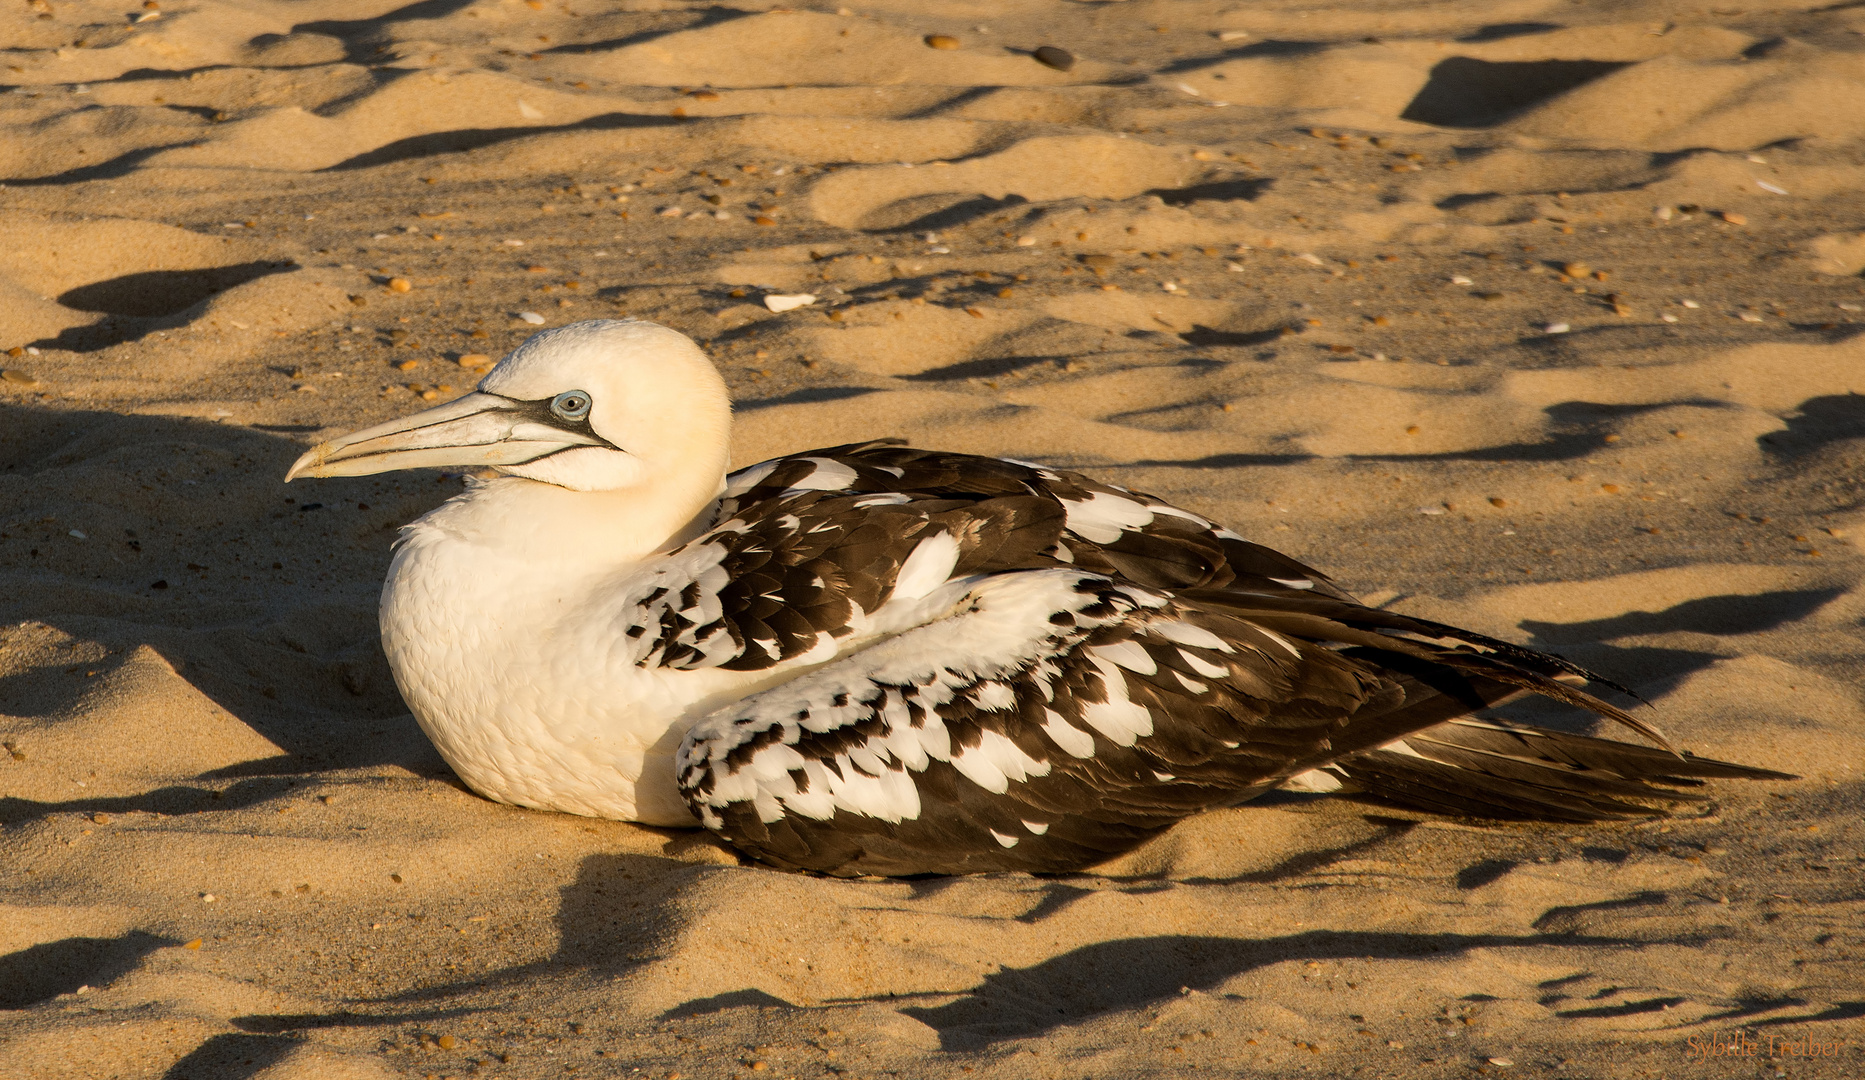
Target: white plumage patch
{"x": 830, "y": 475}
{"x": 1184, "y": 633}
{"x": 1127, "y": 654}
{"x": 1103, "y": 516}
{"x": 1284, "y": 642}
{"x": 1067, "y": 736}
{"x": 1317, "y": 781}
{"x": 1118, "y": 718}
{"x": 929, "y": 567}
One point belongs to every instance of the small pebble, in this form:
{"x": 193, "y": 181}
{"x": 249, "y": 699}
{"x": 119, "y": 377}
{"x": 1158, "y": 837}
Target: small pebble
{"x": 1556, "y": 328}
{"x": 1501, "y": 1062}
{"x": 1748, "y": 316}
{"x": 446, "y": 1042}
{"x": 941, "y": 41}
{"x": 1733, "y": 218}
{"x": 1498, "y": 503}
{"x": 1690, "y": 303}
{"x": 400, "y": 284}
{"x": 101, "y": 818}
{"x": 1052, "y": 57}
{"x": 195, "y": 944}
{"x": 15, "y": 375}
{"x": 1766, "y": 186}
{"x": 1026, "y": 241}
{"x": 531, "y": 317}
{"x": 474, "y": 359}
{"x": 1459, "y": 279}
{"x": 1610, "y": 489}
{"x": 1668, "y": 317}
{"x": 1576, "y": 269}
{"x": 786, "y": 302}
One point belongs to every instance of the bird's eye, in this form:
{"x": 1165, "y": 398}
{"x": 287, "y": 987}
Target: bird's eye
{"x": 570, "y": 405}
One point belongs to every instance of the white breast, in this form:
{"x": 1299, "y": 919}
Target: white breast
{"x": 506, "y": 618}
{"x": 519, "y": 670}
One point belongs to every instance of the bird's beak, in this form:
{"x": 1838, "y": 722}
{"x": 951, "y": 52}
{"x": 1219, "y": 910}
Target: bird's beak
{"x": 478, "y": 429}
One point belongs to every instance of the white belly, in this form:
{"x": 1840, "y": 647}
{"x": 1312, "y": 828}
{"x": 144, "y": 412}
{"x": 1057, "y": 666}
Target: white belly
{"x": 520, "y": 671}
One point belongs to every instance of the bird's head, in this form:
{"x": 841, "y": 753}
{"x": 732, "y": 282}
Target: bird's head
{"x": 603, "y": 405}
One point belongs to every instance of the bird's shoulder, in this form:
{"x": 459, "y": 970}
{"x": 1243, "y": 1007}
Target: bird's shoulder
{"x": 1127, "y": 534}
{"x": 802, "y": 549}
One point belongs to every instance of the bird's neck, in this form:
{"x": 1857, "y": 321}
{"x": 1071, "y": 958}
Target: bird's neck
{"x": 589, "y": 529}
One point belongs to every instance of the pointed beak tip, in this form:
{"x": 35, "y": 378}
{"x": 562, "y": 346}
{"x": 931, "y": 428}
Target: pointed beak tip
{"x": 308, "y": 463}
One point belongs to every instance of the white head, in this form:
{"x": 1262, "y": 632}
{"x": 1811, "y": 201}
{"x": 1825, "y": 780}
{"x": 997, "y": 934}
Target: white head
{"x": 599, "y": 406}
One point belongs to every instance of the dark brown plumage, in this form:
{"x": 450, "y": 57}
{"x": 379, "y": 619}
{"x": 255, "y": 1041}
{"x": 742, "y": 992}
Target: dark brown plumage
{"x": 1110, "y": 665}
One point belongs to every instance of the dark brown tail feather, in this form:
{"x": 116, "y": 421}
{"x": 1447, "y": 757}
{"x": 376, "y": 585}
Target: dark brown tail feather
{"x": 1477, "y": 658}
{"x": 1480, "y": 769}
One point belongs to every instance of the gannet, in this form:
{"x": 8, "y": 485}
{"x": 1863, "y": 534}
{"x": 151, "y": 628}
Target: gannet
{"x": 873, "y": 659}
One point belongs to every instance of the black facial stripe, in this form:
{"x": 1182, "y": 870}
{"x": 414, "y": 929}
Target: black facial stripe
{"x": 546, "y": 454}
{"x": 539, "y": 412}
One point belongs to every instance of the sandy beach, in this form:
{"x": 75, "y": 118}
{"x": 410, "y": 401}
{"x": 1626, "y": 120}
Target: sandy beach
{"x": 1543, "y": 318}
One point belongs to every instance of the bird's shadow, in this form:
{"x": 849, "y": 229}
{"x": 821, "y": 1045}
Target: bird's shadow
{"x": 618, "y": 914}
{"x": 1133, "y": 972}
